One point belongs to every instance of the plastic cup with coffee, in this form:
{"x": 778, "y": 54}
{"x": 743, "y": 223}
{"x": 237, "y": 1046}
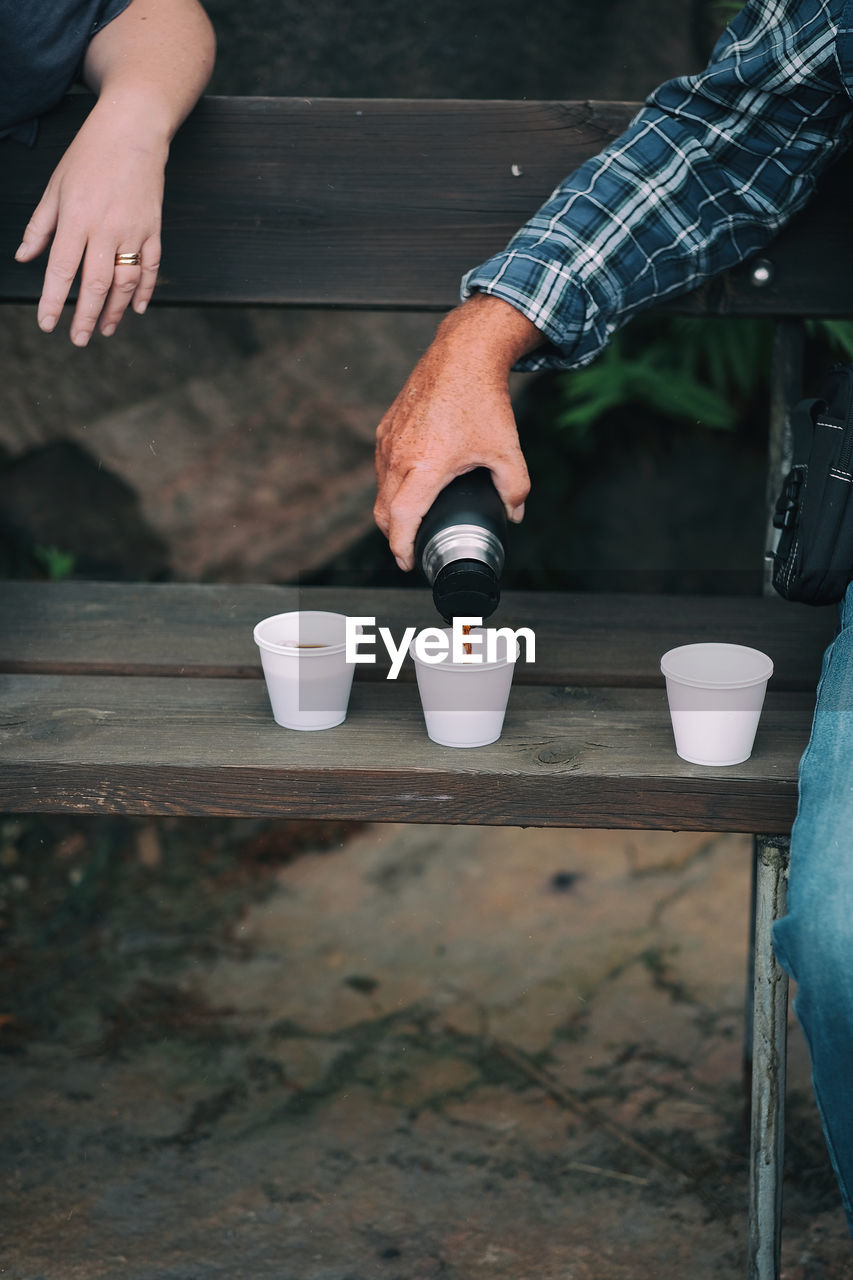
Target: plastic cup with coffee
{"x": 464, "y": 702}
{"x": 303, "y": 654}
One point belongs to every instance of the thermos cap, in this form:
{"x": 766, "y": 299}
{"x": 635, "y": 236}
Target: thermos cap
{"x": 466, "y": 589}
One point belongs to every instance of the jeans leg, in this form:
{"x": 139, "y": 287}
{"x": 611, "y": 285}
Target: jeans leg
{"x": 814, "y": 940}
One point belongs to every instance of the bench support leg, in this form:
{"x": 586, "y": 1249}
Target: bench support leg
{"x": 749, "y": 994}
{"x": 769, "y": 1051}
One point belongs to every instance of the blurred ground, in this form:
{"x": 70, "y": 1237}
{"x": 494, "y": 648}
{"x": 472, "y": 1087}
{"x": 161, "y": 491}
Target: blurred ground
{"x": 295, "y": 1053}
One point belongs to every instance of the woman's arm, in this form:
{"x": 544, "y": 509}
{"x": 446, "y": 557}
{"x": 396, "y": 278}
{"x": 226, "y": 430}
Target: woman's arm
{"x": 148, "y": 67}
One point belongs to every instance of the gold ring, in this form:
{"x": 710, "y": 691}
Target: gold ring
{"x": 128, "y": 259}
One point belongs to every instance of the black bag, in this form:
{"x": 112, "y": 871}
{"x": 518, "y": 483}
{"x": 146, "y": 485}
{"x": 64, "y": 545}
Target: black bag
{"x": 813, "y": 561}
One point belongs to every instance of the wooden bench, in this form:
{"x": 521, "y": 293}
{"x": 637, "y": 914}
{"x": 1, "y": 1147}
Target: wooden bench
{"x": 147, "y": 699}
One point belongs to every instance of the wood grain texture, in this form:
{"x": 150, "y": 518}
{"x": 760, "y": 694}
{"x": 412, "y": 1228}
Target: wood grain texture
{"x": 381, "y": 202}
{"x": 567, "y": 757}
{"x": 206, "y": 630}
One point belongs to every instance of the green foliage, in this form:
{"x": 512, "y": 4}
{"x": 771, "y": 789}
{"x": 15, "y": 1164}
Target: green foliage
{"x": 835, "y": 335}
{"x": 692, "y": 369}
{"x": 57, "y": 564}
{"x": 725, "y": 10}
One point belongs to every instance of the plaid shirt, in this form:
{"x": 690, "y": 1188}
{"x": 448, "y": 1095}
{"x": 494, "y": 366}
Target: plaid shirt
{"x": 707, "y": 172}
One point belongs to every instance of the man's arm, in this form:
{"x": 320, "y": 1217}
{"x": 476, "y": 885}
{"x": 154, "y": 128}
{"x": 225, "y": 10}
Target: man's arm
{"x": 707, "y": 172}
{"x": 453, "y": 414}
{"x": 148, "y": 67}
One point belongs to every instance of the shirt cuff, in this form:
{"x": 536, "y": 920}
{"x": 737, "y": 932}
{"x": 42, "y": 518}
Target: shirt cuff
{"x": 551, "y": 296}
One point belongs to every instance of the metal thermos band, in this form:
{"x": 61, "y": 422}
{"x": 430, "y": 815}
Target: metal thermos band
{"x": 462, "y": 542}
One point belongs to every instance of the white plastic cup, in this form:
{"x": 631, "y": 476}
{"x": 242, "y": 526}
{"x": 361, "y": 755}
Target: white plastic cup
{"x": 464, "y": 703}
{"x": 715, "y": 694}
{"x": 308, "y": 678}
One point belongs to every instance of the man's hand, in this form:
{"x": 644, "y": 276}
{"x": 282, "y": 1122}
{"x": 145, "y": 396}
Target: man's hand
{"x": 453, "y": 414}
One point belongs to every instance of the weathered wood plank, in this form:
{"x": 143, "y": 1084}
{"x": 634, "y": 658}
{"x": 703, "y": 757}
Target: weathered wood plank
{"x": 332, "y": 202}
{"x": 206, "y": 630}
{"x": 381, "y": 202}
{"x": 568, "y": 757}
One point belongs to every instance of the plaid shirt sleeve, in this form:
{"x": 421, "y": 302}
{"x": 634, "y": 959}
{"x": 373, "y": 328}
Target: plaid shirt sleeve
{"x": 707, "y": 172}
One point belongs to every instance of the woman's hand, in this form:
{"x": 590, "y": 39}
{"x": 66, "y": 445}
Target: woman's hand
{"x": 453, "y": 414}
{"x": 148, "y": 67}
{"x": 104, "y": 197}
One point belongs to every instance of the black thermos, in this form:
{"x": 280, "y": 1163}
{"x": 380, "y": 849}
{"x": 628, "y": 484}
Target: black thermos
{"x": 459, "y": 547}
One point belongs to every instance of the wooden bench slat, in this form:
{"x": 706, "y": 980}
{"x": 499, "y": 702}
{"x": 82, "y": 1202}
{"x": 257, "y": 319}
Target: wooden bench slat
{"x": 567, "y": 757}
{"x": 206, "y": 630}
{"x": 386, "y": 202}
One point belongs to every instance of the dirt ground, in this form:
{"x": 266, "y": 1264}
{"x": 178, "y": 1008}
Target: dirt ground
{"x": 324, "y": 1052}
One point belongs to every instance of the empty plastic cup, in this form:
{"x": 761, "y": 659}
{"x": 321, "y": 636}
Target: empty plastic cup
{"x": 715, "y": 694}
{"x": 308, "y": 678}
{"x": 464, "y": 703}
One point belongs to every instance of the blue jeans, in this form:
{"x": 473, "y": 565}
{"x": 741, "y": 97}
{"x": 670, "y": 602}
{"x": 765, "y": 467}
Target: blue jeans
{"x": 814, "y": 941}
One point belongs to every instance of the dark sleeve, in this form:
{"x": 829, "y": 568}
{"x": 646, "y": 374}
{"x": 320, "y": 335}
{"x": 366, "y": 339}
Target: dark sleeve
{"x": 42, "y": 47}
